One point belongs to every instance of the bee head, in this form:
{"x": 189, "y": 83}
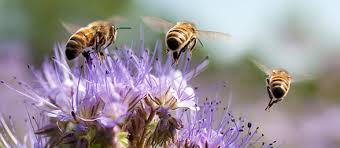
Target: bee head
{"x": 115, "y": 29}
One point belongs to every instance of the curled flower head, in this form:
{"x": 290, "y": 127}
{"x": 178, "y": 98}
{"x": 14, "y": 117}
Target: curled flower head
{"x": 166, "y": 129}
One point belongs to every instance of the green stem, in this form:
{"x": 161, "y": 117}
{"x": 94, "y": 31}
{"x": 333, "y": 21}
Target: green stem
{"x": 148, "y": 121}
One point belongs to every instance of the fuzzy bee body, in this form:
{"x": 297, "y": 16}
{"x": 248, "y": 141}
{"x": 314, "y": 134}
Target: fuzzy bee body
{"x": 78, "y": 42}
{"x": 278, "y": 83}
{"x": 98, "y": 35}
{"x": 181, "y": 36}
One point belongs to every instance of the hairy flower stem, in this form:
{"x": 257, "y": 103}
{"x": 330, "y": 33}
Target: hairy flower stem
{"x": 148, "y": 121}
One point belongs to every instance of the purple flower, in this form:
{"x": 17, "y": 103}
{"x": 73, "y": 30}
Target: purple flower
{"x": 9, "y": 138}
{"x": 204, "y": 128}
{"x": 130, "y": 99}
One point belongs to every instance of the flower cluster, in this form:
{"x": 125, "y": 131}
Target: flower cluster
{"x": 131, "y": 99}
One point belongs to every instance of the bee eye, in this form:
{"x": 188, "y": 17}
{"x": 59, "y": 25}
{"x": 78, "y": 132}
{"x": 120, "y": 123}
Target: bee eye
{"x": 172, "y": 43}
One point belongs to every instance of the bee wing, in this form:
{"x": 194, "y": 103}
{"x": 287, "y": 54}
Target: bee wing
{"x": 262, "y": 67}
{"x": 71, "y": 28}
{"x": 157, "y": 24}
{"x": 212, "y": 35}
{"x": 301, "y": 77}
{"x": 117, "y": 19}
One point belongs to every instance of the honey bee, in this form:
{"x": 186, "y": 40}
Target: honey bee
{"x": 278, "y": 83}
{"x": 181, "y": 36}
{"x": 98, "y": 35}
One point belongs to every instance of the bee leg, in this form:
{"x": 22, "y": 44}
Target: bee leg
{"x": 192, "y": 45}
{"x": 110, "y": 42}
{"x": 270, "y": 104}
{"x": 190, "y": 54}
{"x": 277, "y": 100}
{"x": 99, "y": 57}
{"x": 269, "y": 93}
{"x": 175, "y": 56}
{"x": 95, "y": 43}
{"x": 102, "y": 54}
{"x": 267, "y": 80}
{"x": 97, "y": 48}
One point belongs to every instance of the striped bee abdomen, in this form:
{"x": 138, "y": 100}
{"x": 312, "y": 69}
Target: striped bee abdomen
{"x": 177, "y": 38}
{"x": 78, "y": 42}
{"x": 279, "y": 86}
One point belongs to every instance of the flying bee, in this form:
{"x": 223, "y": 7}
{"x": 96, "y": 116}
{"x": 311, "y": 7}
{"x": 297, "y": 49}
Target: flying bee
{"x": 181, "y": 36}
{"x": 98, "y": 35}
{"x": 278, "y": 83}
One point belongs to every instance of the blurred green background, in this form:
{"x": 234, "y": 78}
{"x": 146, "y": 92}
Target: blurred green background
{"x": 300, "y": 36}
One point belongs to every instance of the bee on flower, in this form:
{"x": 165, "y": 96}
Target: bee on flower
{"x": 130, "y": 99}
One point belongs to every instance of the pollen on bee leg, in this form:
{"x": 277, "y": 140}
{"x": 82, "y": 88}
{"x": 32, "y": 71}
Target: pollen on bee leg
{"x": 99, "y": 57}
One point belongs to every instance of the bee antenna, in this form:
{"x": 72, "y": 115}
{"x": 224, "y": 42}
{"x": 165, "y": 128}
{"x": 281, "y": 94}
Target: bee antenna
{"x": 200, "y": 42}
{"x": 124, "y": 28}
